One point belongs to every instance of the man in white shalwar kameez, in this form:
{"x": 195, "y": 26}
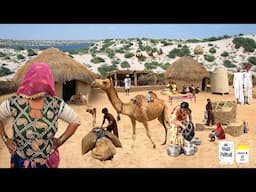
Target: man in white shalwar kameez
{"x": 248, "y": 84}
{"x": 238, "y": 82}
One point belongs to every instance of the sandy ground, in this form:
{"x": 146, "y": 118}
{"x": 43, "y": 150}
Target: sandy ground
{"x": 143, "y": 155}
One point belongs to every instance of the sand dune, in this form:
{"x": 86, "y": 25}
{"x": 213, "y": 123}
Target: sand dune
{"x": 143, "y": 155}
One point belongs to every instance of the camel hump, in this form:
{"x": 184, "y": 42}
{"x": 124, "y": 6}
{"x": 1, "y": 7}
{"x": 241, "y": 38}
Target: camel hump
{"x": 88, "y": 142}
{"x": 104, "y": 149}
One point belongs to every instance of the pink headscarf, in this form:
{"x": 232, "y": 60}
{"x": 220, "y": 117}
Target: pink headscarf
{"x": 37, "y": 81}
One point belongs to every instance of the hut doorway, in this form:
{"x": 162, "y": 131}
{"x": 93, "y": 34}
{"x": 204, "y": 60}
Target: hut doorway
{"x": 205, "y": 84}
{"x": 69, "y": 89}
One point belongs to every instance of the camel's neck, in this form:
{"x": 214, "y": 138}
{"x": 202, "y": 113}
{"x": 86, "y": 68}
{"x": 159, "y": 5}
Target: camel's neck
{"x": 119, "y": 106}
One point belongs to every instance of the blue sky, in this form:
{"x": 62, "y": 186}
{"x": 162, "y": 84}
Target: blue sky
{"x": 106, "y": 31}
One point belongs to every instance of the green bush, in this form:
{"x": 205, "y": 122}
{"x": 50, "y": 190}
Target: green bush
{"x": 7, "y": 58}
{"x": 2, "y": 54}
{"x": 225, "y": 54}
{"x": 210, "y": 44}
{"x": 154, "y": 50}
{"x": 166, "y": 43}
{"x": 97, "y": 60}
{"x": 212, "y": 50}
{"x": 228, "y": 64}
{"x": 127, "y": 46}
{"x": 184, "y": 51}
{"x": 121, "y": 50}
{"x": 252, "y": 60}
{"x": 152, "y": 65}
{"x": 154, "y": 41}
{"x": 179, "y": 45}
{"x": 107, "y": 43}
{"x": 192, "y": 41}
{"x": 248, "y": 44}
{"x": 4, "y": 71}
{"x": 165, "y": 66}
{"x": 31, "y": 52}
{"x": 111, "y": 55}
{"x": 115, "y": 62}
{"x": 105, "y": 68}
{"x": 209, "y": 58}
{"x": 125, "y": 64}
{"x": 128, "y": 55}
{"x": 19, "y": 56}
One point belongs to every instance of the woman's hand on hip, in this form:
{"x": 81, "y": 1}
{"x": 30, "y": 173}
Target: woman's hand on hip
{"x": 11, "y": 145}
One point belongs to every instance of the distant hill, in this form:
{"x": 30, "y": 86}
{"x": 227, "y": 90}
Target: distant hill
{"x": 152, "y": 54}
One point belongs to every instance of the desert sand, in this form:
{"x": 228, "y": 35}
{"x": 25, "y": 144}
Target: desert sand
{"x": 143, "y": 155}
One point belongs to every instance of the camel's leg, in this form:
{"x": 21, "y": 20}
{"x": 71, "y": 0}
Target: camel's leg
{"x": 145, "y": 123}
{"x": 133, "y": 131}
{"x": 161, "y": 120}
{"x": 94, "y": 116}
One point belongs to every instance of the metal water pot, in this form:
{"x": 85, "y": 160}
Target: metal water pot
{"x": 174, "y": 150}
{"x": 196, "y": 141}
{"x": 189, "y": 149}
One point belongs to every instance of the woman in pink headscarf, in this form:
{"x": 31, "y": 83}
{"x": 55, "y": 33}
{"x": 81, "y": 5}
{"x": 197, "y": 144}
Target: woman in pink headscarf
{"x": 35, "y": 110}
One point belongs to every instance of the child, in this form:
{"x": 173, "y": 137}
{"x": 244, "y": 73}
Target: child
{"x": 112, "y": 125}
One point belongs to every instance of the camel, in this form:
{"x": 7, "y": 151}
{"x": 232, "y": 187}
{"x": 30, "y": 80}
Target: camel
{"x": 82, "y": 99}
{"x": 92, "y": 111}
{"x": 141, "y": 110}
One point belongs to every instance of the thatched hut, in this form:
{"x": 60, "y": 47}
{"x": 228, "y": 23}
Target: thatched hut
{"x": 70, "y": 76}
{"x": 186, "y": 71}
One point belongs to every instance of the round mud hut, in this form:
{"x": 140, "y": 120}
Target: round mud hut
{"x": 186, "y": 71}
{"x": 219, "y": 81}
{"x": 198, "y": 50}
{"x": 70, "y": 76}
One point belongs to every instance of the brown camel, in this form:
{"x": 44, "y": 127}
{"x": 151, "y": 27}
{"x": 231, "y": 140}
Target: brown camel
{"x": 141, "y": 110}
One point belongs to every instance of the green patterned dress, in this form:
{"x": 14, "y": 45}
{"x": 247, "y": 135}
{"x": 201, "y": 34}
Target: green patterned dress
{"x": 34, "y": 136}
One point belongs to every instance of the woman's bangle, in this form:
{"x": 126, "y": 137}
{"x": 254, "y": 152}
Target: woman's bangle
{"x": 4, "y": 138}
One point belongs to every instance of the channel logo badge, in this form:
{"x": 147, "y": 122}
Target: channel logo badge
{"x": 242, "y": 154}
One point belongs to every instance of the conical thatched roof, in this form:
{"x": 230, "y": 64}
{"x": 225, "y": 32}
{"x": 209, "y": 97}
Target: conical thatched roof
{"x": 64, "y": 68}
{"x": 186, "y": 68}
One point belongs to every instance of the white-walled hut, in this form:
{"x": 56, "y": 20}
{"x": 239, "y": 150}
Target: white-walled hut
{"x": 186, "y": 71}
{"x": 70, "y": 76}
{"x": 219, "y": 81}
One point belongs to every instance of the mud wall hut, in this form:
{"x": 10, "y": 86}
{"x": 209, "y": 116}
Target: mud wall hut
{"x": 186, "y": 71}
{"x": 70, "y": 76}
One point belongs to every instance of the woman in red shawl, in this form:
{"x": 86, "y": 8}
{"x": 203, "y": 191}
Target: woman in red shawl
{"x": 35, "y": 110}
{"x": 219, "y": 131}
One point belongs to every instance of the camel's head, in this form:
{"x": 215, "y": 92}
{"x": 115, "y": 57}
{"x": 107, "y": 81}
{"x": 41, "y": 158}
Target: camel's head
{"x": 104, "y": 84}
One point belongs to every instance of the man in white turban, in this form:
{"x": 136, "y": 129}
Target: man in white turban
{"x": 238, "y": 82}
